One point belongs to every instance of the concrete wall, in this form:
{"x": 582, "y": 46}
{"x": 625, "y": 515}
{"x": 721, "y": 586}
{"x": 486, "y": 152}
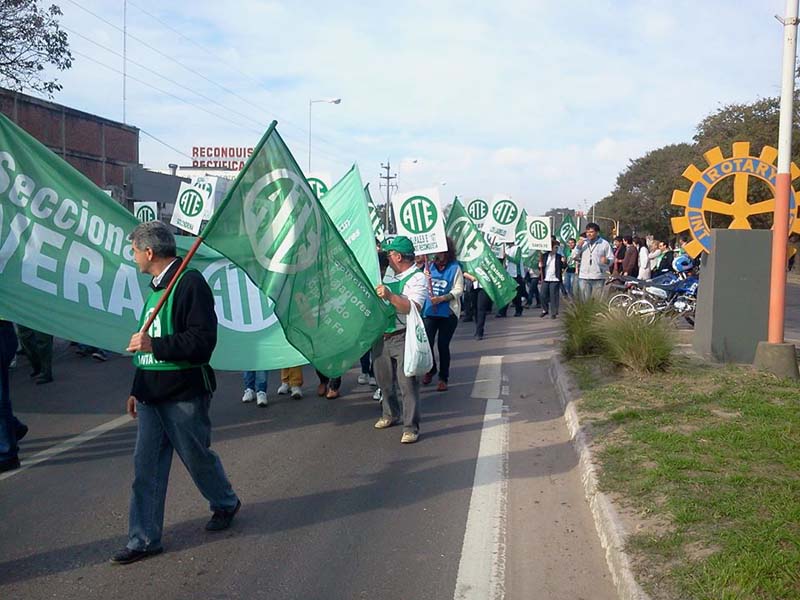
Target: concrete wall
{"x": 733, "y": 298}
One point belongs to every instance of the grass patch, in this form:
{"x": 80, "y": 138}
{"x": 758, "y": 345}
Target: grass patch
{"x": 633, "y": 343}
{"x": 590, "y": 328}
{"x": 713, "y": 455}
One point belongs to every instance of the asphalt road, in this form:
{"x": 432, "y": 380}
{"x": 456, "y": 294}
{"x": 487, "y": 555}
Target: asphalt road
{"x": 332, "y": 508}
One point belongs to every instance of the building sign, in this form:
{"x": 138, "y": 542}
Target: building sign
{"x": 742, "y": 167}
{"x": 224, "y": 158}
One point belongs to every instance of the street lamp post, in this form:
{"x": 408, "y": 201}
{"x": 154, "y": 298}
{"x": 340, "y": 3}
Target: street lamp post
{"x": 311, "y": 102}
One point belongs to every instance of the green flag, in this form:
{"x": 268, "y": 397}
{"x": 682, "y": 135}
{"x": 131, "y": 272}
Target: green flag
{"x": 272, "y": 226}
{"x": 522, "y": 240}
{"x": 567, "y": 231}
{"x": 346, "y": 205}
{"x": 477, "y": 258}
{"x": 66, "y": 266}
{"x": 377, "y": 224}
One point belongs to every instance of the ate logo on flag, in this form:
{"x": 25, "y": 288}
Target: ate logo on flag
{"x": 282, "y": 221}
{"x": 472, "y": 247}
{"x": 419, "y": 214}
{"x": 505, "y": 212}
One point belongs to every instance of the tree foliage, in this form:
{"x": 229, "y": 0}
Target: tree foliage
{"x": 31, "y": 39}
{"x": 643, "y": 192}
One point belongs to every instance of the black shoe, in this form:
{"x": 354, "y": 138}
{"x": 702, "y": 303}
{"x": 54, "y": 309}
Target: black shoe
{"x": 42, "y": 379}
{"x": 21, "y": 431}
{"x": 478, "y": 336}
{"x": 500, "y": 316}
{"x": 519, "y": 314}
{"x": 127, "y": 556}
{"x": 9, "y": 464}
{"x": 222, "y": 519}
{"x": 35, "y": 374}
{"x": 544, "y": 314}
{"x": 553, "y": 316}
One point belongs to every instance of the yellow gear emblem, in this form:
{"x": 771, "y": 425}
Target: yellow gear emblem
{"x": 741, "y": 166}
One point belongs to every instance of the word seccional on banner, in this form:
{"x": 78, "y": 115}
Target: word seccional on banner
{"x": 419, "y": 217}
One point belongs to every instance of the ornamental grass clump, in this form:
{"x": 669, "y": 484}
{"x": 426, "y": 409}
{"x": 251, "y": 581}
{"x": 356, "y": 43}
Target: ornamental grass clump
{"x": 581, "y": 333}
{"x": 632, "y": 342}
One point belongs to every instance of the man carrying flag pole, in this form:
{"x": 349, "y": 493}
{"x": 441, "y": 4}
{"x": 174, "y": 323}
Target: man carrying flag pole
{"x": 171, "y": 393}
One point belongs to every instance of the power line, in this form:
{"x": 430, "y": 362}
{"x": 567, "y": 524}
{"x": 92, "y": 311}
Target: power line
{"x": 165, "y": 78}
{"x": 212, "y": 113}
{"x": 163, "y": 143}
{"x": 190, "y": 69}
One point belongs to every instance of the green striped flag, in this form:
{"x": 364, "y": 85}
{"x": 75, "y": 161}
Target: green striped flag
{"x": 272, "y": 226}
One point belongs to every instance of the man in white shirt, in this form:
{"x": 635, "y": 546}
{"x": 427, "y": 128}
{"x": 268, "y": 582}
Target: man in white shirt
{"x": 402, "y": 284}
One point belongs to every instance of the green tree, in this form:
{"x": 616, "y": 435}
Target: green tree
{"x": 641, "y": 198}
{"x": 31, "y": 39}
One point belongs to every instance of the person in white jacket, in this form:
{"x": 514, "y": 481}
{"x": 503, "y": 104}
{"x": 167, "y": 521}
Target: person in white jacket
{"x": 644, "y": 258}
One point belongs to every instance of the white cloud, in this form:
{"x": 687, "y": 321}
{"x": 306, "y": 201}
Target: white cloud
{"x": 547, "y": 101}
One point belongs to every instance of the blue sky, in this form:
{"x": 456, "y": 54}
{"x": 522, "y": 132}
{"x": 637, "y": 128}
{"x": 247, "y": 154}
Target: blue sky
{"x": 543, "y": 100}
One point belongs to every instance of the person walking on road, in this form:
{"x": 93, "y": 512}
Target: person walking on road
{"x": 483, "y": 305}
{"x": 595, "y": 255}
{"x": 38, "y": 347}
{"x": 551, "y": 265}
{"x": 292, "y": 382}
{"x": 11, "y": 429}
{"x": 255, "y": 387}
{"x": 170, "y": 396}
{"x": 442, "y": 309}
{"x": 402, "y": 284}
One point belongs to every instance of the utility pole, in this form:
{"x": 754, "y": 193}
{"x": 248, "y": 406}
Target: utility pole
{"x": 389, "y": 185}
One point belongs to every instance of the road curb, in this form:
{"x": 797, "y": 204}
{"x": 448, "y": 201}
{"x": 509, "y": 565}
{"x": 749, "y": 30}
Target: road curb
{"x": 606, "y": 519}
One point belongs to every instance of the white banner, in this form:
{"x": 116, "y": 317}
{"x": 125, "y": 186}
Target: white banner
{"x": 501, "y": 220}
{"x": 190, "y": 206}
{"x": 540, "y": 233}
{"x": 477, "y": 210}
{"x": 208, "y": 184}
{"x": 145, "y": 211}
{"x": 419, "y": 217}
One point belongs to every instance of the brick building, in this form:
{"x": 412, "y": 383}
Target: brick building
{"x": 99, "y": 148}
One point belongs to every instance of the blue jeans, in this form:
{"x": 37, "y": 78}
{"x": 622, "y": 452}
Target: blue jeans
{"x": 9, "y": 424}
{"x": 590, "y": 287}
{"x": 255, "y": 380}
{"x": 569, "y": 282}
{"x": 185, "y": 427}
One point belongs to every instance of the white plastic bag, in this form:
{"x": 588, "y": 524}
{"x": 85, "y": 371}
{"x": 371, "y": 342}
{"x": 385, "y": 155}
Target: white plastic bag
{"x": 417, "y": 358}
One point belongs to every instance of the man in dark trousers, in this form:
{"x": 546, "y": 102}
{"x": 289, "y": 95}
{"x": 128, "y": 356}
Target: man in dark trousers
{"x": 171, "y": 394}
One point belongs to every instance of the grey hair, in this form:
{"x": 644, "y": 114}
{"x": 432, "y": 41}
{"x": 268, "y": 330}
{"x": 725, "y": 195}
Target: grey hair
{"x": 156, "y": 236}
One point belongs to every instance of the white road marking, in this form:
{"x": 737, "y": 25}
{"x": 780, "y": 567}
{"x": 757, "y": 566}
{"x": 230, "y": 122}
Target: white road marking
{"x": 68, "y": 445}
{"x": 481, "y": 571}
{"x": 487, "y": 380}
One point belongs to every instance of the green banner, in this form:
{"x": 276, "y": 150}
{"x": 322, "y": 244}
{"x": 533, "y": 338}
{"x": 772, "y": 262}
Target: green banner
{"x": 377, "y": 224}
{"x": 477, "y": 258}
{"x": 66, "y": 267}
{"x": 346, "y": 205}
{"x": 567, "y": 231}
{"x": 273, "y": 227}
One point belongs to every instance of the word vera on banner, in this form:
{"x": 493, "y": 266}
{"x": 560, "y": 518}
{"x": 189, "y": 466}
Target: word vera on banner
{"x": 419, "y": 217}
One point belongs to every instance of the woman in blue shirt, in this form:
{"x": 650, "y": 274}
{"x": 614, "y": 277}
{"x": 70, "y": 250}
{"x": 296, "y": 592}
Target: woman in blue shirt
{"x": 442, "y": 309}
